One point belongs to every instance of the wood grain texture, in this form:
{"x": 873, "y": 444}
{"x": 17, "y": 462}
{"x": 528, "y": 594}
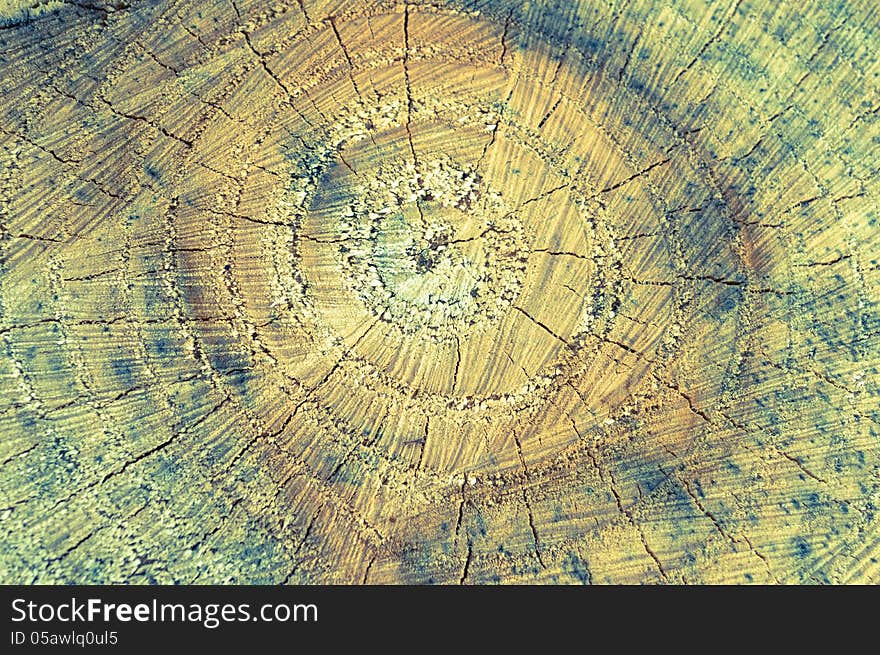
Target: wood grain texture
{"x": 448, "y": 292}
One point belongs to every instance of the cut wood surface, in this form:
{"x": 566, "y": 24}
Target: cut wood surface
{"x": 447, "y": 292}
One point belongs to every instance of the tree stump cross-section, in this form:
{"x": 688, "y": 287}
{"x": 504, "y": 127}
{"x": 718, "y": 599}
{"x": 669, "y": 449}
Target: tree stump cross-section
{"x": 447, "y": 292}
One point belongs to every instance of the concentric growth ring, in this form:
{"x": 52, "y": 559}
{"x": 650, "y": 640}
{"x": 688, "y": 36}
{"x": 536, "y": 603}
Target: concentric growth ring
{"x": 473, "y": 240}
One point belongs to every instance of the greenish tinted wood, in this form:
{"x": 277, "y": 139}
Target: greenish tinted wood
{"x": 439, "y": 292}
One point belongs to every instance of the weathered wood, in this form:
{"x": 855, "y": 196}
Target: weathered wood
{"x": 439, "y": 292}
